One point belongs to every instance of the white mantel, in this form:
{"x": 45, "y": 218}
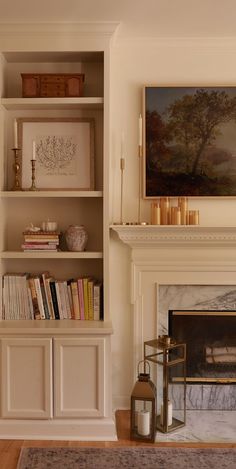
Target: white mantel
{"x": 151, "y": 236}
{"x": 172, "y": 256}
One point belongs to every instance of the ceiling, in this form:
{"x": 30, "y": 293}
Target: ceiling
{"x": 162, "y": 18}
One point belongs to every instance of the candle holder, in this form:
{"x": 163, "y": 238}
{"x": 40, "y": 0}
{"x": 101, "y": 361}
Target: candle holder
{"x": 33, "y": 186}
{"x": 140, "y": 154}
{"x": 170, "y": 358}
{"x": 16, "y": 168}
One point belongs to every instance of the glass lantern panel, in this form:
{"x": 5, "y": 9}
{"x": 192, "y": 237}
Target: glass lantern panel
{"x": 176, "y": 354}
{"x": 170, "y": 395}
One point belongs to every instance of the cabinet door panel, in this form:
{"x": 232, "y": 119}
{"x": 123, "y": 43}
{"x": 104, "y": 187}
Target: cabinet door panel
{"x": 26, "y": 378}
{"x": 79, "y": 377}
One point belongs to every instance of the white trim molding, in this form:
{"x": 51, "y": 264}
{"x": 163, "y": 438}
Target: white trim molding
{"x": 150, "y": 236}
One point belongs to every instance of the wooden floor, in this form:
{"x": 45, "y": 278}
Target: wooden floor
{"x": 10, "y": 449}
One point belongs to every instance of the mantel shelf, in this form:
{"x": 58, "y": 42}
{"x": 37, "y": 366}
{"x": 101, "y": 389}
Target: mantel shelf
{"x": 150, "y": 236}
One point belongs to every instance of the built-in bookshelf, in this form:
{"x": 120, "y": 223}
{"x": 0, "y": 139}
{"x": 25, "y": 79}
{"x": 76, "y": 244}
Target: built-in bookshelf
{"x": 65, "y": 206}
{"x": 57, "y": 397}
{"x": 42, "y": 297}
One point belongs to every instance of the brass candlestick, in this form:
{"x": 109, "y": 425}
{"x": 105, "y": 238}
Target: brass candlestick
{"x": 140, "y": 154}
{"x": 33, "y": 186}
{"x": 16, "y": 168}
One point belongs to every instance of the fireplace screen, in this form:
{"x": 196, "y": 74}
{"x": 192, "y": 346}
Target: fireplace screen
{"x": 211, "y": 343}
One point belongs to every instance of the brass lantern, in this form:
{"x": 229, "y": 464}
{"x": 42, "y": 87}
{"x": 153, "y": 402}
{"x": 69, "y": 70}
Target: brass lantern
{"x": 170, "y": 358}
{"x": 143, "y": 407}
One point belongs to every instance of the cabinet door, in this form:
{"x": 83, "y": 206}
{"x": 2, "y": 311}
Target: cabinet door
{"x": 26, "y": 378}
{"x": 79, "y": 377}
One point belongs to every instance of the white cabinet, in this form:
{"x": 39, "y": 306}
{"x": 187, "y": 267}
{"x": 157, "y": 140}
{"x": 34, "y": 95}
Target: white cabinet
{"x": 55, "y": 380}
{"x": 26, "y": 381}
{"x": 78, "y": 385}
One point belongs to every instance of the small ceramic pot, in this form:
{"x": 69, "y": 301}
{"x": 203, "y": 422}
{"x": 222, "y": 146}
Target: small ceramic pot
{"x": 76, "y": 237}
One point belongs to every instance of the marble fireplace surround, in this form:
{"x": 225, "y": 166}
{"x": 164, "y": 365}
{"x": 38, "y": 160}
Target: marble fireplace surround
{"x": 178, "y": 267}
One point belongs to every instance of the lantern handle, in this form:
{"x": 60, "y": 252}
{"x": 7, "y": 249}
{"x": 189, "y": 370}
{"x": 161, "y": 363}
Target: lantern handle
{"x": 145, "y": 362}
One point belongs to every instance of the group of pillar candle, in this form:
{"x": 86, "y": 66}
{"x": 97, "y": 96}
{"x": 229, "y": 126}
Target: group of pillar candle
{"x": 163, "y": 213}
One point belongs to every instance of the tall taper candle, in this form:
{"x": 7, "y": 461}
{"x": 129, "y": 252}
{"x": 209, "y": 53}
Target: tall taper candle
{"x": 140, "y": 121}
{"x": 122, "y": 145}
{"x": 15, "y": 134}
{"x": 34, "y": 151}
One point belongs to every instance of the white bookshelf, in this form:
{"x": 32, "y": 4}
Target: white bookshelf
{"x": 33, "y": 104}
{"x": 61, "y": 352}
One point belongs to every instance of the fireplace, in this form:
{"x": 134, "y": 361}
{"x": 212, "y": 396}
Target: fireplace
{"x": 182, "y": 268}
{"x": 211, "y": 343}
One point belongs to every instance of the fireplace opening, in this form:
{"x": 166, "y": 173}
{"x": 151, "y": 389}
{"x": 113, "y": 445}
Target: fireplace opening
{"x": 211, "y": 343}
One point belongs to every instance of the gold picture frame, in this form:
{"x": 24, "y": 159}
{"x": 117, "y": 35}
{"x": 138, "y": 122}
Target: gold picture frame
{"x": 189, "y": 141}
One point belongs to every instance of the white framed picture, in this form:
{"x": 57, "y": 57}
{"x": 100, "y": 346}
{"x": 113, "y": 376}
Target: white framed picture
{"x": 63, "y": 149}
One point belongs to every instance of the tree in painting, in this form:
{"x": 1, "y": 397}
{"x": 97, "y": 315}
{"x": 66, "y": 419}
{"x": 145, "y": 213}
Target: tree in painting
{"x": 182, "y": 158}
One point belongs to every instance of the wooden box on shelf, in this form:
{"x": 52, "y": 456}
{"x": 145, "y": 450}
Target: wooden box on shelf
{"x": 50, "y": 85}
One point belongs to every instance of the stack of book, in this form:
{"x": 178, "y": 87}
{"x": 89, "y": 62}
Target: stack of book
{"x": 40, "y": 241}
{"x": 27, "y": 296}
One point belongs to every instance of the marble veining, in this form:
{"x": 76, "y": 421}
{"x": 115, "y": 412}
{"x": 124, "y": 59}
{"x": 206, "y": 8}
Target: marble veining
{"x": 194, "y": 297}
{"x": 204, "y": 426}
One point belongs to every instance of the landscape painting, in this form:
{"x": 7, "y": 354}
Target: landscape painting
{"x": 189, "y": 141}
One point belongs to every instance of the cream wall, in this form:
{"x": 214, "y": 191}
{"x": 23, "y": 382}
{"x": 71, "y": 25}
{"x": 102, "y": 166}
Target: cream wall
{"x": 135, "y": 62}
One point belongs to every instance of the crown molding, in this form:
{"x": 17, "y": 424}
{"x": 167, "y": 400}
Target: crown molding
{"x": 202, "y": 42}
{"x": 150, "y": 236}
{"x": 103, "y": 28}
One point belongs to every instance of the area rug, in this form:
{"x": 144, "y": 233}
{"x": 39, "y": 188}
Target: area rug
{"x": 129, "y": 458}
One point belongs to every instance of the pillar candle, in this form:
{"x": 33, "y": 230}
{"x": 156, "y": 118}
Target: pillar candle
{"x": 170, "y": 413}
{"x": 178, "y": 216}
{"x": 144, "y": 422}
{"x": 155, "y": 214}
{"x": 165, "y": 206}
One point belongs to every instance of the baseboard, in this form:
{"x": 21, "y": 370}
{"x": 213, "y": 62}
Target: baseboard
{"x": 80, "y": 430}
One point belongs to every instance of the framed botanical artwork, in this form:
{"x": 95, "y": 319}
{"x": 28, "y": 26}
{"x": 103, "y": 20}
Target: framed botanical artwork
{"x": 63, "y": 149}
{"x": 189, "y": 141}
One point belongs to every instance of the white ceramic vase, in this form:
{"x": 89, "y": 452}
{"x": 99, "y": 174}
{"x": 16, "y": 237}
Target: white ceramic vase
{"x": 76, "y": 237}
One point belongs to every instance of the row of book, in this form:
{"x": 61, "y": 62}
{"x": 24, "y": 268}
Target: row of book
{"x": 40, "y": 241}
{"x": 27, "y": 296}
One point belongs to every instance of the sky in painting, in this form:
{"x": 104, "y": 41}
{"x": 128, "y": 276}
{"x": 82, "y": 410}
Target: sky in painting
{"x": 159, "y": 98}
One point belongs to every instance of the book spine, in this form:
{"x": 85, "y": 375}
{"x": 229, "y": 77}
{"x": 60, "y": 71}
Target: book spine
{"x": 54, "y": 299}
{"x": 39, "y": 297}
{"x": 75, "y": 299}
{"x": 90, "y": 300}
{"x": 66, "y": 299}
{"x": 81, "y": 297}
{"x": 45, "y": 304}
{"x": 85, "y": 288}
{"x": 46, "y": 279}
{"x": 34, "y": 298}
{"x": 97, "y": 302}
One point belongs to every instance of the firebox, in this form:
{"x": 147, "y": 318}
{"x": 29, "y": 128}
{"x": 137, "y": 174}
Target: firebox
{"x": 210, "y": 337}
